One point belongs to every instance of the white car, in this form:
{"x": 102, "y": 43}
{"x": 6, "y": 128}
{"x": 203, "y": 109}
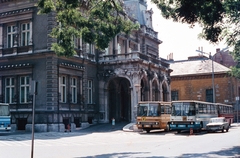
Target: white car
{"x": 218, "y": 124}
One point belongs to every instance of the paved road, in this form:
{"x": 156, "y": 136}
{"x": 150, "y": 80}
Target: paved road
{"x": 101, "y": 141}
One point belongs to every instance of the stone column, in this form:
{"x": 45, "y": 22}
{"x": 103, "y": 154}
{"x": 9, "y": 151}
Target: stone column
{"x": 127, "y": 46}
{"x": 81, "y": 47}
{"x": 115, "y": 46}
{"x": 136, "y": 97}
{"x": 150, "y": 91}
{"x": 106, "y": 109}
{"x": 1, "y": 39}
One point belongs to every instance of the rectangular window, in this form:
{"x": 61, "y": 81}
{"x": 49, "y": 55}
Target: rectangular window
{"x": 10, "y": 36}
{"x": 107, "y": 51}
{"x": 90, "y": 91}
{"x": 75, "y": 42}
{"x": 24, "y": 89}
{"x": 73, "y": 90}
{"x": 9, "y": 90}
{"x": 174, "y": 95}
{"x": 119, "y": 48}
{"x": 62, "y": 89}
{"x": 25, "y": 34}
{"x": 209, "y": 95}
{"x": 90, "y": 48}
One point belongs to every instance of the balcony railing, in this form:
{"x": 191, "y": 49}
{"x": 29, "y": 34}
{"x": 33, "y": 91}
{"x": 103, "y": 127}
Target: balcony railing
{"x": 134, "y": 55}
{"x": 21, "y": 107}
{"x": 150, "y": 31}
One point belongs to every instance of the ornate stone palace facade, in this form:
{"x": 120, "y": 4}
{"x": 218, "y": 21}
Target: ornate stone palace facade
{"x": 91, "y": 86}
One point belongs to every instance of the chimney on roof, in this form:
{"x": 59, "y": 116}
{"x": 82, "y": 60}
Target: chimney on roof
{"x": 217, "y": 50}
{"x": 170, "y": 57}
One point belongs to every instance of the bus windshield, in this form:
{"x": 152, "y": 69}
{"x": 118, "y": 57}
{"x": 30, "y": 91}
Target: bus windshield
{"x": 183, "y": 109}
{"x": 4, "y": 110}
{"x": 151, "y": 109}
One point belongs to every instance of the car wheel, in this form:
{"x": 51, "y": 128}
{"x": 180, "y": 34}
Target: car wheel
{"x": 167, "y": 128}
{"x": 223, "y": 129}
{"x": 227, "y": 129}
{"x": 148, "y": 130}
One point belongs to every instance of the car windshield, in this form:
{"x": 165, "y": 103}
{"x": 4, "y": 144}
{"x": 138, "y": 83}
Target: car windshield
{"x": 216, "y": 120}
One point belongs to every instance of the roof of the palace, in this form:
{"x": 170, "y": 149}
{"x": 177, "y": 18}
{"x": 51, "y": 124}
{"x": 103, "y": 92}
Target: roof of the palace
{"x": 196, "y": 67}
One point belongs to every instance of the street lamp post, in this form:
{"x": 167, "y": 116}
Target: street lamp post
{"x": 213, "y": 87}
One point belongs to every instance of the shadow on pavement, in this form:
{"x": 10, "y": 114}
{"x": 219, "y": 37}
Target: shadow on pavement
{"x": 104, "y": 127}
{"x": 231, "y": 152}
{"x": 93, "y": 128}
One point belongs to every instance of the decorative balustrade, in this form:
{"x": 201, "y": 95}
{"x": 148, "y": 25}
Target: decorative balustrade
{"x": 21, "y": 107}
{"x": 131, "y": 56}
{"x": 149, "y": 31}
{"x": 19, "y": 50}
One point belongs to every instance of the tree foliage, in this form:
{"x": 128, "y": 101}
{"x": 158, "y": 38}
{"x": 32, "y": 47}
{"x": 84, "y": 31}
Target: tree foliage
{"x": 220, "y": 20}
{"x": 95, "y": 21}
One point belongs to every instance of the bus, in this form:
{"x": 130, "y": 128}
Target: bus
{"x": 153, "y": 115}
{"x": 5, "y": 118}
{"x": 225, "y": 110}
{"x": 191, "y": 114}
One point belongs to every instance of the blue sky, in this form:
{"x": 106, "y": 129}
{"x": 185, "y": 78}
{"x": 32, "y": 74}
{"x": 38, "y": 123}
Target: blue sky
{"x": 178, "y": 38}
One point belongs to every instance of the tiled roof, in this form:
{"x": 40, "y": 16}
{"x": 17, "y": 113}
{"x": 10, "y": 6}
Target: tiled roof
{"x": 196, "y": 67}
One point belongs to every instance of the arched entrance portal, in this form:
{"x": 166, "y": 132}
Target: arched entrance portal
{"x": 119, "y": 99}
{"x": 165, "y": 92}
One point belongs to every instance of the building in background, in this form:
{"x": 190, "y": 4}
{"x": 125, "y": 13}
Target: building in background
{"x": 91, "y": 86}
{"x": 192, "y": 79}
{"x": 224, "y": 57}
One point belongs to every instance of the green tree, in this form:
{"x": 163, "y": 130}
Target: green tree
{"x": 220, "y": 20}
{"x": 95, "y": 21}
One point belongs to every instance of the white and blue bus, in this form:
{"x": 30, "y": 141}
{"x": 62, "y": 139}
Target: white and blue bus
{"x": 191, "y": 114}
{"x": 5, "y": 117}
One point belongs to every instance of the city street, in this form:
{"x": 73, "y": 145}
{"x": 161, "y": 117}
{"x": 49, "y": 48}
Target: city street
{"x": 100, "y": 141}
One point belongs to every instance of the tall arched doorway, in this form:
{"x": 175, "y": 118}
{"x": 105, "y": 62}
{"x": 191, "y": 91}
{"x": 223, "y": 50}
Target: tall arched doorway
{"x": 144, "y": 90}
{"x": 119, "y": 99}
{"x": 164, "y": 92}
{"x": 155, "y": 91}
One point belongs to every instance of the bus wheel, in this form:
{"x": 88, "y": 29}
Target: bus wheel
{"x": 147, "y": 130}
{"x": 178, "y": 131}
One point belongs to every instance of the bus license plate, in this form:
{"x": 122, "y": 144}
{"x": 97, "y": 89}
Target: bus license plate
{"x": 181, "y": 125}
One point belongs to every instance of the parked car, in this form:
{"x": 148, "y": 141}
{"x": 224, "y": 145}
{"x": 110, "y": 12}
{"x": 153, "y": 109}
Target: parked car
{"x": 218, "y": 124}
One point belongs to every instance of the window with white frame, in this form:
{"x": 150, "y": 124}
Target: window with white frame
{"x": 107, "y": 51}
{"x": 75, "y": 42}
{"x": 119, "y": 48}
{"x": 24, "y": 89}
{"x": 9, "y": 90}
{"x": 90, "y": 91}
{"x": 25, "y": 34}
{"x": 10, "y": 36}
{"x": 89, "y": 48}
{"x": 62, "y": 89}
{"x": 73, "y": 90}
